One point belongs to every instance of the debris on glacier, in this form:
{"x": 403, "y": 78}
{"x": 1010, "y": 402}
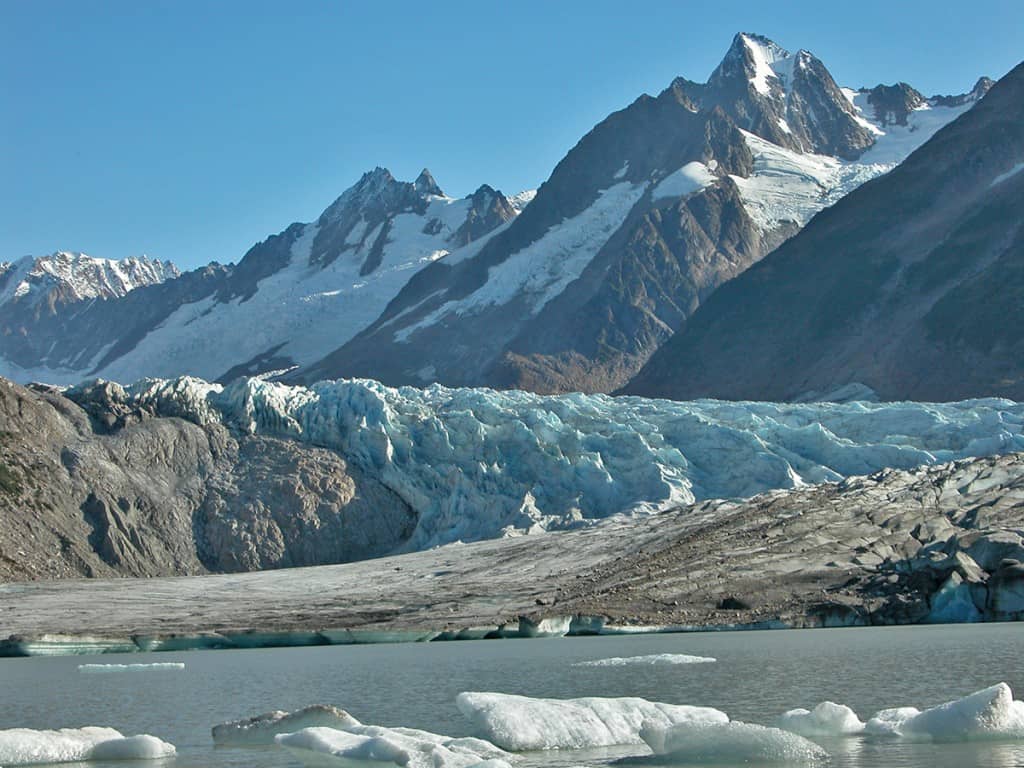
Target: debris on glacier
{"x": 24, "y": 746}
{"x": 521, "y": 723}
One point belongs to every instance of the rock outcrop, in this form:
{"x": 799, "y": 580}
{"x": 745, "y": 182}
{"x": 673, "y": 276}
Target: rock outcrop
{"x": 113, "y": 490}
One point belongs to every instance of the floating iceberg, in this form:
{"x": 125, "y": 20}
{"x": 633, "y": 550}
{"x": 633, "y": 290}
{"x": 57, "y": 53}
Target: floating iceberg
{"x": 654, "y": 660}
{"x": 991, "y": 713}
{"x": 262, "y": 729}
{"x": 476, "y": 463}
{"x": 734, "y": 742}
{"x": 520, "y": 723}
{"x": 23, "y": 746}
{"x": 389, "y": 746}
{"x": 106, "y": 668}
{"x": 826, "y": 719}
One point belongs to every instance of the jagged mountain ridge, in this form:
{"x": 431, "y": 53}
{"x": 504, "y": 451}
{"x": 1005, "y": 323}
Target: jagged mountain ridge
{"x": 288, "y": 300}
{"x": 910, "y": 285}
{"x": 654, "y": 209}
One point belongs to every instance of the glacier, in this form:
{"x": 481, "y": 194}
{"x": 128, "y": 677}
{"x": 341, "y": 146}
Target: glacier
{"x": 476, "y": 464}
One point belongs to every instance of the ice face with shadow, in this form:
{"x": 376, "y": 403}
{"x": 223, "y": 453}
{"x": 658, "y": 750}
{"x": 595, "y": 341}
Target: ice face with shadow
{"x": 520, "y": 723}
{"x": 476, "y": 463}
{"x": 989, "y": 714}
{"x": 262, "y": 729}
{"x": 730, "y": 743}
{"x": 23, "y": 746}
{"x": 405, "y": 747}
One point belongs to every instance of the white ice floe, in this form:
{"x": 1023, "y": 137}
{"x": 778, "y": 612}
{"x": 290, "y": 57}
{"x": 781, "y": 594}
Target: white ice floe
{"x": 991, "y": 713}
{"x": 520, "y": 723}
{"x": 23, "y": 746}
{"x": 655, "y": 660}
{"x": 111, "y": 668}
{"x": 404, "y": 747}
{"x": 262, "y": 729}
{"x": 826, "y": 719}
{"x": 476, "y": 463}
{"x": 710, "y": 743}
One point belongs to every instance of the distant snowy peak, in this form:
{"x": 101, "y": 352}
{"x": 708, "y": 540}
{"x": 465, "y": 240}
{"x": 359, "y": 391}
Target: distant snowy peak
{"x": 66, "y": 276}
{"x": 787, "y": 98}
{"x": 361, "y": 219}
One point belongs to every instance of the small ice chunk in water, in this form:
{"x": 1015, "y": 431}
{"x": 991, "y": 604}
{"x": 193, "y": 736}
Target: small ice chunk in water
{"x": 826, "y": 719}
{"x": 23, "y": 746}
{"x": 520, "y": 723}
{"x": 262, "y": 729}
{"x": 656, "y": 659}
{"x": 391, "y": 746}
{"x": 105, "y": 668}
{"x": 711, "y": 743}
{"x": 991, "y": 713}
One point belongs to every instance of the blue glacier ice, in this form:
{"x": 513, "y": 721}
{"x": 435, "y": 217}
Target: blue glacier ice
{"x": 479, "y": 463}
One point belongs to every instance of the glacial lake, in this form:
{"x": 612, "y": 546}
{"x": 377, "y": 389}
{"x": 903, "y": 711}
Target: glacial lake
{"x": 757, "y": 676}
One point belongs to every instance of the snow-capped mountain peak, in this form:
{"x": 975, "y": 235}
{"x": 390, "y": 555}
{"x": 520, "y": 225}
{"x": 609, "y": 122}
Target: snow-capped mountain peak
{"x": 66, "y": 276}
{"x": 425, "y": 184}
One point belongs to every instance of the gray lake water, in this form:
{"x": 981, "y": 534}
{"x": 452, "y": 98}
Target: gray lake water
{"x": 758, "y": 676}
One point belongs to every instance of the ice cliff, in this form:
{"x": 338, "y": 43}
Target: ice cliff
{"x": 478, "y": 463}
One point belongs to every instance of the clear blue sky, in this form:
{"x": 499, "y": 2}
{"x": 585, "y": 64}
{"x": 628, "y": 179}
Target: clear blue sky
{"x": 191, "y": 130}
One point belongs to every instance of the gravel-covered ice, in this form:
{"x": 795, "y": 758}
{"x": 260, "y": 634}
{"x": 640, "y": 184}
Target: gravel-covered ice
{"x": 731, "y": 743}
{"x": 262, "y": 729}
{"x": 23, "y": 746}
{"x": 520, "y": 723}
{"x": 654, "y": 660}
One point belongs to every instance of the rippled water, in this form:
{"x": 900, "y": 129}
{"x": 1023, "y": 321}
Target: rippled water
{"x": 758, "y": 675}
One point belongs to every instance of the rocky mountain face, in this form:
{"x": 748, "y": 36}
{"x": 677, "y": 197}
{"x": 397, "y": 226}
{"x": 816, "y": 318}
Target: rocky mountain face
{"x": 110, "y": 489}
{"x": 289, "y": 300}
{"x": 655, "y": 208}
{"x": 910, "y": 285}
